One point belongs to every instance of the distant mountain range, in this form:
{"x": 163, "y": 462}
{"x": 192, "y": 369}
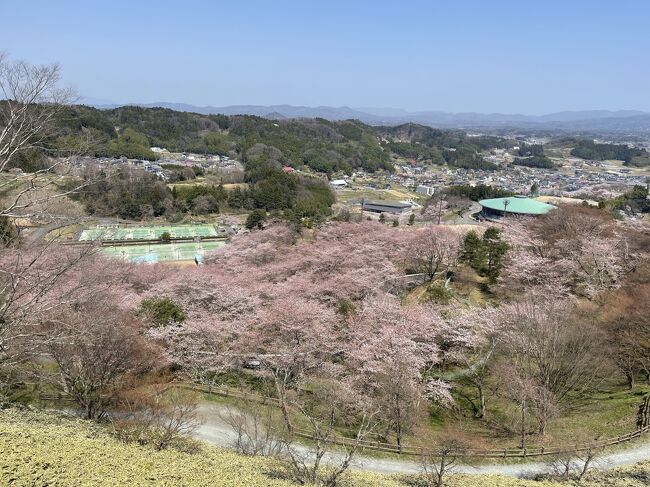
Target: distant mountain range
{"x": 621, "y": 121}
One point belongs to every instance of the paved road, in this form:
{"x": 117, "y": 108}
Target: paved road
{"x": 216, "y": 431}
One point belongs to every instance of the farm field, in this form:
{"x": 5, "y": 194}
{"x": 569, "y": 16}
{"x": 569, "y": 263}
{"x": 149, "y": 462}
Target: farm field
{"x": 203, "y": 182}
{"x": 357, "y": 193}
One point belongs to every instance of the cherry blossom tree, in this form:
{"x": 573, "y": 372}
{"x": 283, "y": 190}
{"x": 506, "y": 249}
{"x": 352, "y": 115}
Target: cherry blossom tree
{"x": 548, "y": 341}
{"x": 392, "y": 348}
{"x": 33, "y": 281}
{"x": 98, "y": 352}
{"x": 478, "y": 333}
{"x": 433, "y": 250}
{"x": 574, "y": 249}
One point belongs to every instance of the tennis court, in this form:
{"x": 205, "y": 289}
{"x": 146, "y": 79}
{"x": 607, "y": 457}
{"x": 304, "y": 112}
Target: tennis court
{"x": 151, "y": 253}
{"x": 107, "y": 233}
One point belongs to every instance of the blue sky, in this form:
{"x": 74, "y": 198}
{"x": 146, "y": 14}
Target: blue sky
{"x": 526, "y": 56}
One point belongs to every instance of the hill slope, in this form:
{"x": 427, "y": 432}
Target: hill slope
{"x": 322, "y": 145}
{"x": 44, "y": 448}
{"x": 599, "y": 121}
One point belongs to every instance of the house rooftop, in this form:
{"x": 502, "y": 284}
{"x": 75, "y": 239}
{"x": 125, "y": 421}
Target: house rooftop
{"x": 389, "y": 204}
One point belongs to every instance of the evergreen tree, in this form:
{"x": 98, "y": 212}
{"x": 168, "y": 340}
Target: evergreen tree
{"x": 495, "y": 251}
{"x": 473, "y": 252}
{"x": 485, "y": 255}
{"x": 256, "y": 218}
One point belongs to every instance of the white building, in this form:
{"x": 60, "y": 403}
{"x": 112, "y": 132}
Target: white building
{"x": 422, "y": 189}
{"x": 339, "y": 183}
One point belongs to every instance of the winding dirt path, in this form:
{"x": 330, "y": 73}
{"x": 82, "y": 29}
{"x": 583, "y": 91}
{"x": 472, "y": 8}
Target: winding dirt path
{"x": 216, "y": 431}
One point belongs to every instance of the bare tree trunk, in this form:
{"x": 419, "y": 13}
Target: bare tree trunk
{"x": 280, "y": 387}
{"x": 442, "y": 471}
{"x": 481, "y": 400}
{"x": 398, "y": 429}
{"x": 587, "y": 462}
{"x": 523, "y": 424}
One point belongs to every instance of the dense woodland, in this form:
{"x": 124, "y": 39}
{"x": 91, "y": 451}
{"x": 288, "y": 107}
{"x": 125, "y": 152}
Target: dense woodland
{"x": 322, "y": 145}
{"x": 633, "y": 201}
{"x": 454, "y": 148}
{"x": 135, "y": 194}
{"x": 588, "y": 149}
{"x": 534, "y": 161}
{"x": 477, "y": 192}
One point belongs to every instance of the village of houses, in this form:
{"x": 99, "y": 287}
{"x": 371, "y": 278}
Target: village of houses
{"x": 405, "y": 190}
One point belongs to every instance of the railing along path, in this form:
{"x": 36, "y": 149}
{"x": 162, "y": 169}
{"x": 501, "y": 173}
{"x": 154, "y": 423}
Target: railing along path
{"x": 415, "y": 451}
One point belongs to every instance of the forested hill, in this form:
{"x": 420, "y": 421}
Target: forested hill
{"x": 322, "y": 145}
{"x": 451, "y": 147}
{"x": 588, "y": 149}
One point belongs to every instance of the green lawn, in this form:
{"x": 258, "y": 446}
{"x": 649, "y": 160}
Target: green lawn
{"x": 607, "y": 413}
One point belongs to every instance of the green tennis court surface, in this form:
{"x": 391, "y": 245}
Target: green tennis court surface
{"x": 147, "y": 233}
{"x": 150, "y": 253}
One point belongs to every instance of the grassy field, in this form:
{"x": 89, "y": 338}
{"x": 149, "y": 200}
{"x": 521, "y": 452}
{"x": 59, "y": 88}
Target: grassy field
{"x": 605, "y": 414}
{"x": 358, "y": 191}
{"x": 562, "y": 155}
{"x": 47, "y": 449}
{"x": 40, "y": 197}
{"x": 203, "y": 182}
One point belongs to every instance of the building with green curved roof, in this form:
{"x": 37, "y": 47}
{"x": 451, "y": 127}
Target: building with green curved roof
{"x": 518, "y": 205}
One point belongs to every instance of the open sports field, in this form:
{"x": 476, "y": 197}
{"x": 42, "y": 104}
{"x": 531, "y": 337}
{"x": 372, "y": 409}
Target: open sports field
{"x": 147, "y": 232}
{"x": 150, "y": 253}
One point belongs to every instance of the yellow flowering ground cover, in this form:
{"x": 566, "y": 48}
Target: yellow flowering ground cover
{"x": 48, "y": 449}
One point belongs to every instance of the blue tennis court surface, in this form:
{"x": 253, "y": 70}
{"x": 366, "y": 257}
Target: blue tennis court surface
{"x": 171, "y": 252}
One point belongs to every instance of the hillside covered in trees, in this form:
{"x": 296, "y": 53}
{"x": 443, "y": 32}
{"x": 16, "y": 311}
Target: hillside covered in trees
{"x": 453, "y": 148}
{"x": 134, "y": 194}
{"x": 321, "y": 145}
{"x": 631, "y": 156}
{"x": 310, "y": 321}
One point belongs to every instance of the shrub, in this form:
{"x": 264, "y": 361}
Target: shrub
{"x": 161, "y": 419}
{"x": 162, "y": 311}
{"x": 438, "y": 293}
{"x": 256, "y": 218}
